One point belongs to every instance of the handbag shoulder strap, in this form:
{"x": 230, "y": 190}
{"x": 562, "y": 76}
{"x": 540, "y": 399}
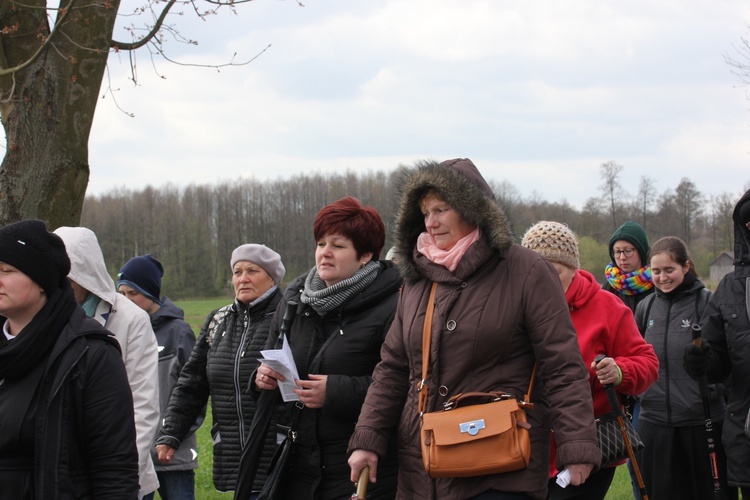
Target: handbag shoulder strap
{"x": 527, "y": 396}
{"x": 426, "y": 342}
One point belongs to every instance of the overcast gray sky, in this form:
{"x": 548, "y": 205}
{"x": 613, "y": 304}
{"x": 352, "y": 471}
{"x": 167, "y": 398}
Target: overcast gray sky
{"x": 537, "y": 93}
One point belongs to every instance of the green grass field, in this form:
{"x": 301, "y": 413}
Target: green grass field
{"x": 195, "y": 313}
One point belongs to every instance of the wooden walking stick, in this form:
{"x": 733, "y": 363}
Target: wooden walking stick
{"x": 614, "y": 402}
{"x": 364, "y": 477}
{"x": 703, "y": 387}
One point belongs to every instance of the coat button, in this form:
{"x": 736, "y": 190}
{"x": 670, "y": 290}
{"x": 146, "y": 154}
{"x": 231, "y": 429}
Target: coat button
{"x": 450, "y": 325}
{"x": 443, "y": 390}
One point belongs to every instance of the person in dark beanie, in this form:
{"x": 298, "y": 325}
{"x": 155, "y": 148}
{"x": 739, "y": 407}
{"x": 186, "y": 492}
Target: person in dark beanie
{"x": 64, "y": 394}
{"x": 628, "y": 276}
{"x": 725, "y": 349}
{"x": 143, "y": 275}
{"x": 140, "y": 281}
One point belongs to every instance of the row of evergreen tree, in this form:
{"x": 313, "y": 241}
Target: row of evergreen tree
{"x": 193, "y": 230}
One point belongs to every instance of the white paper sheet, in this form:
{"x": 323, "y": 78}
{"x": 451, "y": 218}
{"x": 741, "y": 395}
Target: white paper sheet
{"x": 282, "y": 361}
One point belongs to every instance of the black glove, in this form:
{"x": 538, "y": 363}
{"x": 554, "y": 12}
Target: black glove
{"x": 695, "y": 359}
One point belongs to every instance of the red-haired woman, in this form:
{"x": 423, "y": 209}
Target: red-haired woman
{"x": 346, "y": 305}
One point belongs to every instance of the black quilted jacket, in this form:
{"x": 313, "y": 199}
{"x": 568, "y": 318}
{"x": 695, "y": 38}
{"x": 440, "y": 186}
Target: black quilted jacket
{"x": 225, "y": 355}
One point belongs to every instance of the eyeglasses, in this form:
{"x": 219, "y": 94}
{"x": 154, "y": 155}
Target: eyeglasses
{"x": 628, "y": 252}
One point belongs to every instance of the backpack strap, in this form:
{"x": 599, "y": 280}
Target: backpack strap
{"x": 644, "y": 323}
{"x": 216, "y": 321}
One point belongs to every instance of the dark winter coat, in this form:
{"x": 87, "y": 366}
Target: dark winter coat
{"x": 221, "y": 364}
{"x": 85, "y": 431}
{"x": 319, "y": 468}
{"x": 726, "y": 326}
{"x": 501, "y": 311}
{"x": 176, "y": 341}
{"x": 667, "y": 321}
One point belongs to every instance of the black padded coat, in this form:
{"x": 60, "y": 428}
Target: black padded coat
{"x": 220, "y": 366}
{"x": 319, "y": 468}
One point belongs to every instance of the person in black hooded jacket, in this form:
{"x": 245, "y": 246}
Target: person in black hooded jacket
{"x": 140, "y": 281}
{"x": 346, "y": 305}
{"x": 66, "y": 410}
{"x": 725, "y": 348}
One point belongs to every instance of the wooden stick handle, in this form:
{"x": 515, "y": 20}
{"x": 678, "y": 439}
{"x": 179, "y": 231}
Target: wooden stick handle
{"x": 364, "y": 478}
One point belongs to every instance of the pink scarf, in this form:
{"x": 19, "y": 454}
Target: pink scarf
{"x": 447, "y": 258}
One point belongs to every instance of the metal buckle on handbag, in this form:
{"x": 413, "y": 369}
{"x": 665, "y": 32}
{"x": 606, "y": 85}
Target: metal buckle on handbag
{"x": 472, "y": 427}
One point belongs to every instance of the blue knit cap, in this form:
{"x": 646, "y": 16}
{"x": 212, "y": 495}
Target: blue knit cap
{"x": 143, "y": 274}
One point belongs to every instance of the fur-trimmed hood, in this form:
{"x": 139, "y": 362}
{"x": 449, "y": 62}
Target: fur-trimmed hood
{"x": 460, "y": 184}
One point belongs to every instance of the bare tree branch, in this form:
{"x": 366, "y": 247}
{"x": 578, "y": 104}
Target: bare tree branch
{"x": 216, "y": 66}
{"x": 740, "y": 63}
{"x": 111, "y": 92}
{"x": 151, "y": 34}
{"x": 63, "y": 12}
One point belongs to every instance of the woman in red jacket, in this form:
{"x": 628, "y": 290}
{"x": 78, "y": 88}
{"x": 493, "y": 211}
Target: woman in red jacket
{"x": 604, "y": 325}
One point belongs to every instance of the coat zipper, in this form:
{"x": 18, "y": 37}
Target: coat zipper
{"x": 237, "y": 382}
{"x": 667, "y": 392}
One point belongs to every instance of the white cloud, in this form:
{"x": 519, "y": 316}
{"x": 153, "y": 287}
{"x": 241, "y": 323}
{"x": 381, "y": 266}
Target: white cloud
{"x": 538, "y": 93}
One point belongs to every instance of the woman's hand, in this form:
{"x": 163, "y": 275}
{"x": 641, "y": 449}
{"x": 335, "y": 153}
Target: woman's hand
{"x": 579, "y": 473}
{"x": 164, "y": 453}
{"x": 313, "y": 391}
{"x": 360, "y": 459}
{"x": 607, "y": 371}
{"x": 267, "y": 379}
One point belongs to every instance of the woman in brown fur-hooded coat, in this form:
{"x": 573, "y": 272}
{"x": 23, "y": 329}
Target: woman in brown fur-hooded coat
{"x": 501, "y": 310}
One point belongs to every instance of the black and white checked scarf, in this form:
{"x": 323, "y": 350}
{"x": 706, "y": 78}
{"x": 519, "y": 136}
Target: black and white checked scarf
{"x": 324, "y": 299}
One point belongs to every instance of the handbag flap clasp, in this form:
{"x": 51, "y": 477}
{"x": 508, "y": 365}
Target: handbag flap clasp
{"x": 472, "y": 427}
{"x": 497, "y": 417}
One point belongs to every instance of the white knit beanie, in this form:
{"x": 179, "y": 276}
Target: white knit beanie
{"x": 554, "y": 241}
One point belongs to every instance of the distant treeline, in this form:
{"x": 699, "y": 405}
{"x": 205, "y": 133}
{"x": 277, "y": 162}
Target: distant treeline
{"x": 193, "y": 230}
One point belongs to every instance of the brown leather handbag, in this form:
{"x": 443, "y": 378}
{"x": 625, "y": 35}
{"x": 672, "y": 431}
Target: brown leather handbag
{"x": 467, "y": 440}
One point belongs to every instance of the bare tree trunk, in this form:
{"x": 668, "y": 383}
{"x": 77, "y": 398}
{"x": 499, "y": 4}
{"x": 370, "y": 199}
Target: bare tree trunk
{"x": 610, "y": 173}
{"x": 48, "y": 106}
